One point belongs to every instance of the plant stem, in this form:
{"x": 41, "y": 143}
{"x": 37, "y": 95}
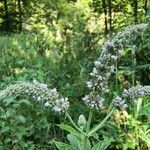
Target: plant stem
{"x": 88, "y": 128}
{"x": 102, "y": 123}
{"x": 116, "y": 76}
{"x": 73, "y": 123}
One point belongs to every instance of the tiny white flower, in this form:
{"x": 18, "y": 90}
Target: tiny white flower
{"x": 94, "y": 70}
{"x": 47, "y": 104}
{"x": 97, "y": 63}
{"x": 114, "y": 57}
{"x": 89, "y": 84}
{"x": 57, "y": 109}
{"x": 39, "y": 98}
{"x": 99, "y": 77}
{"x": 92, "y": 74}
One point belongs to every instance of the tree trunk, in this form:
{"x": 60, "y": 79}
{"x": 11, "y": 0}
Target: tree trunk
{"x": 6, "y": 16}
{"x": 145, "y": 7}
{"x": 136, "y": 11}
{"x": 110, "y": 14}
{"x": 20, "y": 15}
{"x": 105, "y": 13}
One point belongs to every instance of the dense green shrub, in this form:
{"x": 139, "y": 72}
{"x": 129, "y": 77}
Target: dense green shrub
{"x": 24, "y": 125}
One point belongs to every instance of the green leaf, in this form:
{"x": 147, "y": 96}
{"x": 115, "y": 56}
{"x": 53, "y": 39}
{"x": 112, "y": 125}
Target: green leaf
{"x": 102, "y": 145}
{"x": 62, "y": 146}
{"x": 22, "y": 130}
{"x": 74, "y": 141}
{"x": 7, "y": 140}
{"x": 95, "y": 136}
{"x": 88, "y": 145}
{"x": 145, "y": 137}
{"x": 102, "y": 123}
{"x": 145, "y": 110}
{"x": 5, "y": 129}
{"x": 139, "y": 105}
{"x": 69, "y": 129}
{"x": 23, "y": 144}
{"x": 143, "y": 66}
{"x": 21, "y": 118}
{"x": 24, "y": 101}
{"x": 8, "y": 101}
{"x": 9, "y": 112}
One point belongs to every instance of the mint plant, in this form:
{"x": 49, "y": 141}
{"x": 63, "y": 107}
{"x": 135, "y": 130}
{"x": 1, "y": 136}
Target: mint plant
{"x": 98, "y": 85}
{"x": 38, "y": 92}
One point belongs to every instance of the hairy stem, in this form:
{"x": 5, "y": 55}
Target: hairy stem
{"x": 102, "y": 123}
{"x": 116, "y": 76}
{"x": 88, "y": 128}
{"x": 73, "y": 123}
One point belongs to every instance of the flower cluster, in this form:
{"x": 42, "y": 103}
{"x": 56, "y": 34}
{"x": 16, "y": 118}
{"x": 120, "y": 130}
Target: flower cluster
{"x": 136, "y": 92}
{"x": 111, "y": 51}
{"x": 119, "y": 102}
{"x": 39, "y": 92}
{"x": 105, "y": 65}
{"x": 132, "y": 93}
{"x": 93, "y": 101}
{"x": 61, "y": 105}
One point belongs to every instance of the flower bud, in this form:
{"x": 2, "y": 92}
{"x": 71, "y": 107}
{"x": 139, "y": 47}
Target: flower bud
{"x": 81, "y": 121}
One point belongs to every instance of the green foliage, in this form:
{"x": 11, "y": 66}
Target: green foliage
{"x": 63, "y": 146}
{"x": 56, "y": 42}
{"x": 131, "y": 131}
{"x": 79, "y": 137}
{"x": 69, "y": 129}
{"x": 23, "y": 125}
{"x": 62, "y": 64}
{"x": 74, "y": 142}
{"x": 102, "y": 145}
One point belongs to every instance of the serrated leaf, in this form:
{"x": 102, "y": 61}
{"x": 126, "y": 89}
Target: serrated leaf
{"x": 69, "y": 129}
{"x": 74, "y": 141}
{"x": 88, "y": 146}
{"x": 102, "y": 145}
{"x": 62, "y": 146}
